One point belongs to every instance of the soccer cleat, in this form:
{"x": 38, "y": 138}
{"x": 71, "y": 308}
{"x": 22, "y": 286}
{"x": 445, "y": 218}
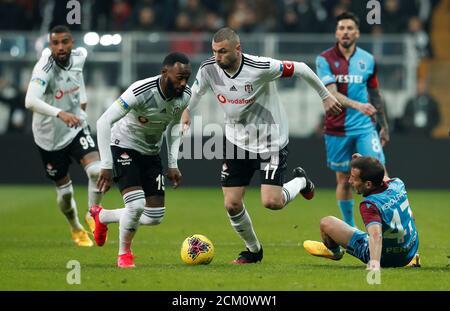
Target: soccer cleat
{"x": 319, "y": 249}
{"x": 90, "y": 221}
{"x": 248, "y": 257}
{"x": 100, "y": 230}
{"x": 81, "y": 238}
{"x": 415, "y": 262}
{"x": 126, "y": 261}
{"x": 308, "y": 191}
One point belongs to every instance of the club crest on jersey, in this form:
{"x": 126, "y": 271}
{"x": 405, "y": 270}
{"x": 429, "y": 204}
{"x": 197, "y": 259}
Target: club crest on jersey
{"x": 248, "y": 87}
{"x": 336, "y": 64}
{"x": 176, "y": 110}
{"x": 142, "y": 119}
{"x": 362, "y": 65}
{"x": 124, "y": 159}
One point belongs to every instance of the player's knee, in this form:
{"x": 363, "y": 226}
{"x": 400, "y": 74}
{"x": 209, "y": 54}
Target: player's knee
{"x": 233, "y": 207}
{"x": 326, "y": 223}
{"x": 343, "y": 180}
{"x": 93, "y": 170}
{"x": 272, "y": 203}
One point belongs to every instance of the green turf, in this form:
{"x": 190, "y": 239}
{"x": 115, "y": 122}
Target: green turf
{"x": 35, "y": 246}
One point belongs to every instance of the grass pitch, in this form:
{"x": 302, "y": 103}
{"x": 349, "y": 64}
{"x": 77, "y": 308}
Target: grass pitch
{"x": 36, "y": 246}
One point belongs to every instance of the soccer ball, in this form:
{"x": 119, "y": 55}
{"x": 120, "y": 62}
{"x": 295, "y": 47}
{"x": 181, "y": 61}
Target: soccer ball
{"x": 197, "y": 250}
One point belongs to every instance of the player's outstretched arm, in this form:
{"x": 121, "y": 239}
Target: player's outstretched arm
{"x": 331, "y": 104}
{"x": 378, "y": 102}
{"x": 375, "y": 244}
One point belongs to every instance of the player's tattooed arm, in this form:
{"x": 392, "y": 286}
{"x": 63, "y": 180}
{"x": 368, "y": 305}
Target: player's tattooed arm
{"x": 377, "y": 100}
{"x": 366, "y": 109}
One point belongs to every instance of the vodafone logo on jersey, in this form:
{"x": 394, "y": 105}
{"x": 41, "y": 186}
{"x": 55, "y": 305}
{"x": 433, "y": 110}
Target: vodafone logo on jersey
{"x": 222, "y": 99}
{"x": 59, "y": 94}
{"x": 238, "y": 101}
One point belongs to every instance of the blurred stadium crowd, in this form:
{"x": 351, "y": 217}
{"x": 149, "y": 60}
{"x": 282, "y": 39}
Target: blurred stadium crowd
{"x": 303, "y": 16}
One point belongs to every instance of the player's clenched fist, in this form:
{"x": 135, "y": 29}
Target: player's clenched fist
{"x": 174, "y": 175}
{"x": 70, "y": 119}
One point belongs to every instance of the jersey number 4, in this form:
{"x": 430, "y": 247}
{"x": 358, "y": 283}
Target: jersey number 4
{"x": 396, "y": 230}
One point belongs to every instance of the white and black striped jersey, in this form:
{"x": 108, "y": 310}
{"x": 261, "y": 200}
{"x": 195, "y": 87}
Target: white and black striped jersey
{"x": 62, "y": 88}
{"x": 142, "y": 119}
{"x": 254, "y": 118}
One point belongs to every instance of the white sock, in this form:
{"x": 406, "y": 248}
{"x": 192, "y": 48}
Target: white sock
{"x": 67, "y": 205}
{"x": 94, "y": 194}
{"x": 108, "y": 216}
{"x": 150, "y": 216}
{"x": 292, "y": 188}
{"x": 129, "y": 220}
{"x": 242, "y": 224}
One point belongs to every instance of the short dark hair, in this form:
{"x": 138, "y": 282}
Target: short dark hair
{"x": 370, "y": 169}
{"x": 60, "y": 29}
{"x": 226, "y": 33}
{"x": 348, "y": 15}
{"x": 174, "y": 57}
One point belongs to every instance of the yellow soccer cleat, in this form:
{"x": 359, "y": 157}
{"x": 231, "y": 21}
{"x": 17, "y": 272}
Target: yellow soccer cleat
{"x": 415, "y": 262}
{"x": 81, "y": 238}
{"x": 90, "y": 222}
{"x": 319, "y": 249}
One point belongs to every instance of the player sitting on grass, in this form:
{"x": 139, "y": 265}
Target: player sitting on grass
{"x": 391, "y": 240}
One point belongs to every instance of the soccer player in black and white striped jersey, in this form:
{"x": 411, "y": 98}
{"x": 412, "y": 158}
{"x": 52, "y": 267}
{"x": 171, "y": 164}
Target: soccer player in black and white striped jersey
{"x": 130, "y": 135}
{"x": 255, "y": 127}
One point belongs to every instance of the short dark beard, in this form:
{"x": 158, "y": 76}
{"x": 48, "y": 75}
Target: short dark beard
{"x": 171, "y": 91}
{"x": 229, "y": 65}
{"x": 224, "y": 67}
{"x": 346, "y": 46}
{"x": 65, "y": 63}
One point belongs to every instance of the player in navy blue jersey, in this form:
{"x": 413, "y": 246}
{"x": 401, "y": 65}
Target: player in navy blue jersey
{"x": 350, "y": 74}
{"x": 391, "y": 240}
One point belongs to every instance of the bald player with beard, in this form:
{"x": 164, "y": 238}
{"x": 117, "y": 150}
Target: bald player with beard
{"x": 256, "y": 129}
